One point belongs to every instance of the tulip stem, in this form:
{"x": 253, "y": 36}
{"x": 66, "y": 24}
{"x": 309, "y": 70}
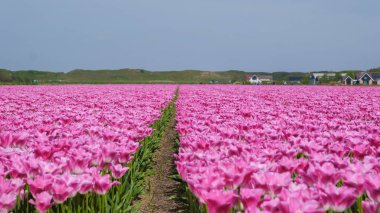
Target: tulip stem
{"x": 239, "y": 204}
{"x": 87, "y": 207}
{"x": 92, "y": 204}
{"x": 205, "y": 207}
{"x": 359, "y": 204}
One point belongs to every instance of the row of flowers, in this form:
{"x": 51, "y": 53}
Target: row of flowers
{"x": 60, "y": 141}
{"x": 280, "y": 149}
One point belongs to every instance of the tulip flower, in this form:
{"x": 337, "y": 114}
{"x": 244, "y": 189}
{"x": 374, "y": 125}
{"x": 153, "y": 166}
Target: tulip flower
{"x": 372, "y": 186}
{"x": 42, "y": 201}
{"x": 8, "y": 201}
{"x": 251, "y": 198}
{"x": 118, "y": 170}
{"x": 338, "y": 198}
{"x": 60, "y": 192}
{"x": 103, "y": 184}
{"x": 370, "y": 206}
{"x": 219, "y": 201}
{"x": 40, "y": 184}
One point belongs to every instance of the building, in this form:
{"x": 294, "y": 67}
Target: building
{"x": 315, "y": 78}
{"x": 376, "y": 77}
{"x": 259, "y": 79}
{"x": 364, "y": 78}
{"x": 348, "y": 80}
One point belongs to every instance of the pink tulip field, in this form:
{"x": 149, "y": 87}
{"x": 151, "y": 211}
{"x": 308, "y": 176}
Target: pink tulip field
{"x": 291, "y": 149}
{"x": 61, "y": 142}
{"x": 280, "y": 148}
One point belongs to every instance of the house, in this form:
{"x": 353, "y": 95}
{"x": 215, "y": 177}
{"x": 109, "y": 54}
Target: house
{"x": 295, "y": 79}
{"x": 316, "y": 77}
{"x": 348, "y": 80}
{"x": 368, "y": 78}
{"x": 259, "y": 79}
{"x": 364, "y": 78}
{"x": 376, "y": 77}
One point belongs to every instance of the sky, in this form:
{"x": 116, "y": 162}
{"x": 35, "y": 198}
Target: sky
{"x": 249, "y": 35}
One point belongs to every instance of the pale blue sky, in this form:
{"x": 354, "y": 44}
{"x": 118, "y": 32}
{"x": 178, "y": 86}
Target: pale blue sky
{"x": 251, "y": 35}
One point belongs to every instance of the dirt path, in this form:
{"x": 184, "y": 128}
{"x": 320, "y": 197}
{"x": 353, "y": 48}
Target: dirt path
{"x": 159, "y": 187}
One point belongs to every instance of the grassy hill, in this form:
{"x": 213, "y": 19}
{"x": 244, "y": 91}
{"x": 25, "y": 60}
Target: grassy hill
{"x": 144, "y": 76}
{"x": 120, "y": 76}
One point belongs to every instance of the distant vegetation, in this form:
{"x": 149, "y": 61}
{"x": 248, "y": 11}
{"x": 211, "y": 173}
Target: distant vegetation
{"x": 144, "y": 76}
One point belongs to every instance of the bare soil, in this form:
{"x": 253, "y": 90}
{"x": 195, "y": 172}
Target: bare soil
{"x": 160, "y": 190}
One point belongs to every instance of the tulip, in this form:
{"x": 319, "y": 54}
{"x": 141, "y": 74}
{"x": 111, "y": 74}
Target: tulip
{"x": 372, "y": 186}
{"x": 370, "y": 206}
{"x": 42, "y": 201}
{"x": 338, "y": 198}
{"x": 8, "y": 201}
{"x": 86, "y": 184}
{"x": 118, "y": 171}
{"x": 60, "y": 192}
{"x": 40, "y": 184}
{"x": 219, "y": 201}
{"x": 103, "y": 184}
{"x": 251, "y": 198}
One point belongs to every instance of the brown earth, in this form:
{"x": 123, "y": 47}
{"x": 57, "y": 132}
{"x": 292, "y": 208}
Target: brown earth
{"x": 160, "y": 189}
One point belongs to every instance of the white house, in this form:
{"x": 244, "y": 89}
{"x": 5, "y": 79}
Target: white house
{"x": 255, "y": 80}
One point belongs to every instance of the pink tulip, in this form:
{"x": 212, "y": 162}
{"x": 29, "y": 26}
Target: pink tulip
{"x": 103, "y": 184}
{"x": 219, "y": 201}
{"x": 8, "y": 201}
{"x": 355, "y": 180}
{"x": 370, "y": 206}
{"x": 273, "y": 182}
{"x": 296, "y": 204}
{"x": 79, "y": 164}
{"x": 327, "y": 173}
{"x": 109, "y": 153}
{"x": 372, "y": 186}
{"x": 118, "y": 171}
{"x": 125, "y": 155}
{"x": 86, "y": 184}
{"x": 32, "y": 167}
{"x": 212, "y": 179}
{"x": 43, "y": 151}
{"x": 60, "y": 192}
{"x": 251, "y": 198}
{"x": 40, "y": 184}
{"x": 338, "y": 198}
{"x": 42, "y": 201}
{"x": 273, "y": 205}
